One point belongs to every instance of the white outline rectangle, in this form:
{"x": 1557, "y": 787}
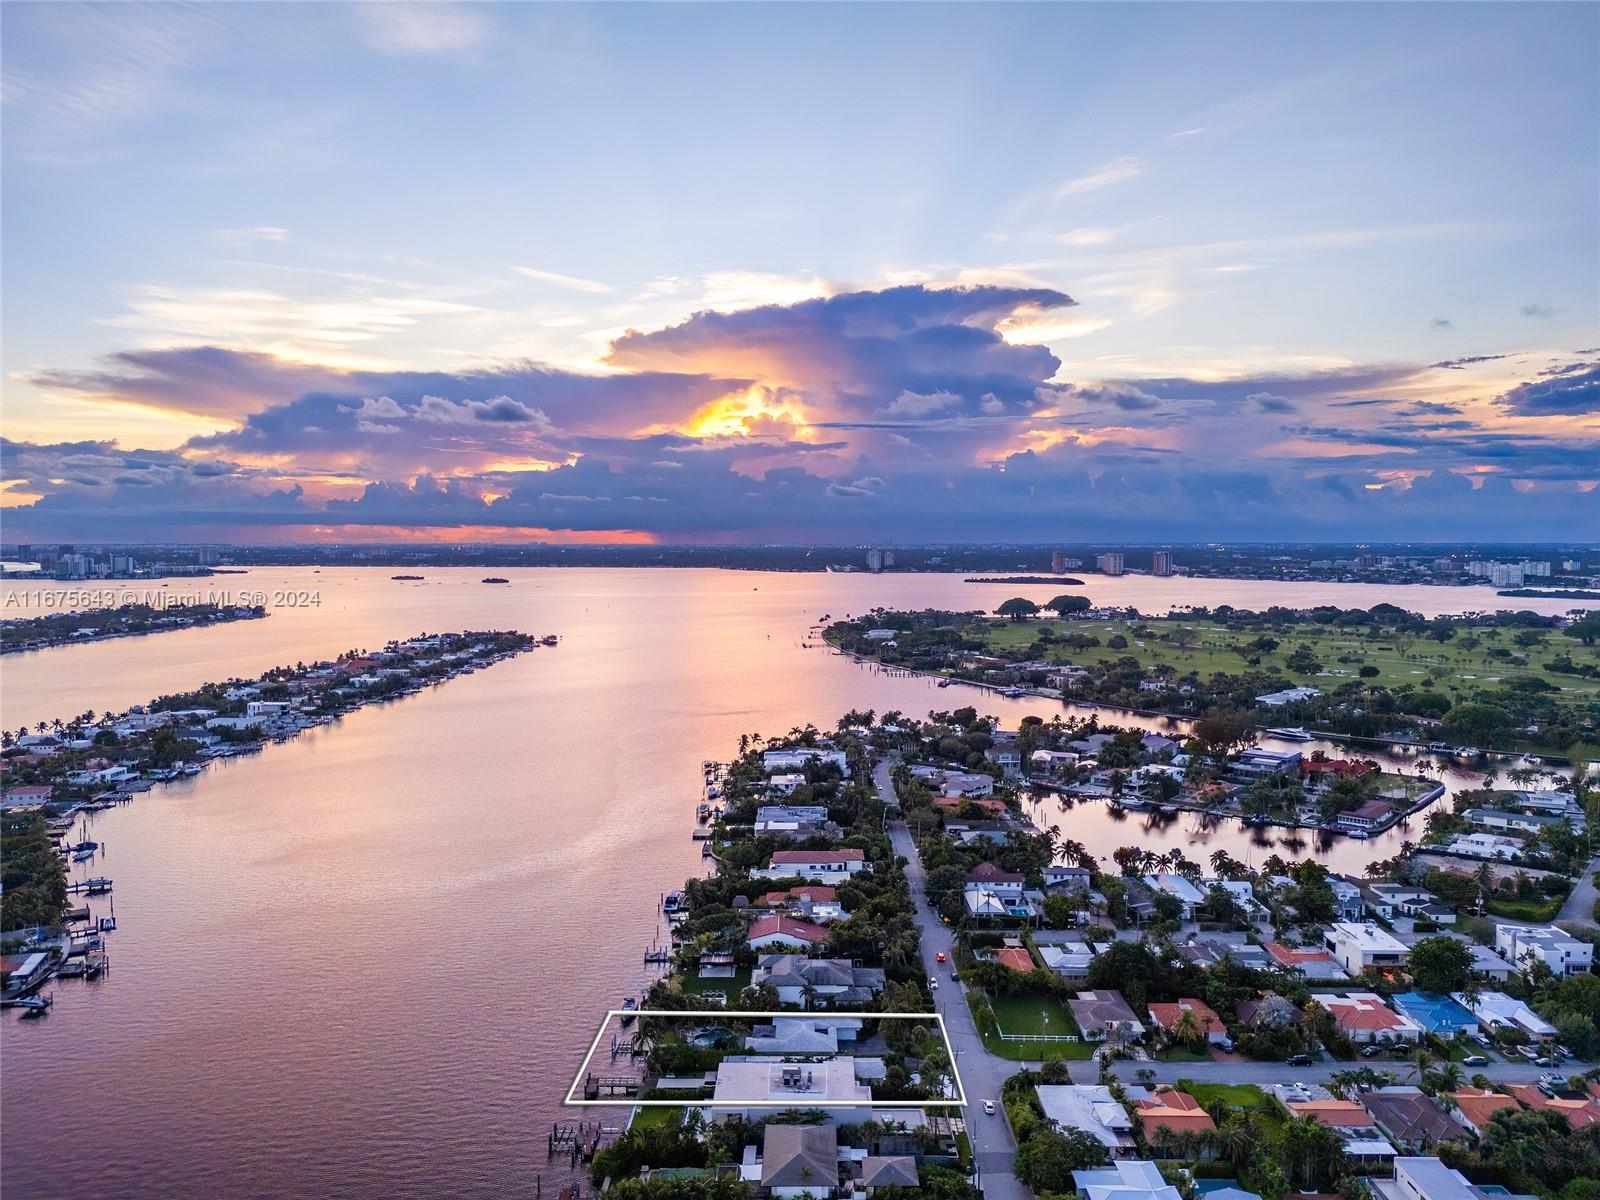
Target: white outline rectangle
{"x": 959, "y": 1100}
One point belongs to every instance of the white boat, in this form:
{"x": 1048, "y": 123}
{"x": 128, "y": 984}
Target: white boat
{"x": 1438, "y": 748}
{"x": 1295, "y": 734}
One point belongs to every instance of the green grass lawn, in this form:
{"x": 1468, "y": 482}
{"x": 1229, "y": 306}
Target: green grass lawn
{"x": 693, "y": 985}
{"x": 1398, "y": 660}
{"x": 1233, "y": 1096}
{"x": 1178, "y": 1053}
{"x": 664, "y": 1118}
{"x": 1025, "y": 1014}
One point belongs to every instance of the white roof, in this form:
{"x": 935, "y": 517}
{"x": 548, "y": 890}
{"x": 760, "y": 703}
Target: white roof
{"x": 1368, "y": 937}
{"x": 755, "y": 1080}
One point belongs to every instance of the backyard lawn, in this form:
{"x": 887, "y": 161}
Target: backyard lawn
{"x": 1233, "y": 1096}
{"x": 693, "y": 985}
{"x": 1026, "y": 1014}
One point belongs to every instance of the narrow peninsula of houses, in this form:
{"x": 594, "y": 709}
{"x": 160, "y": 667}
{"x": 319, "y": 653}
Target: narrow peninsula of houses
{"x": 60, "y": 772}
{"x": 129, "y": 620}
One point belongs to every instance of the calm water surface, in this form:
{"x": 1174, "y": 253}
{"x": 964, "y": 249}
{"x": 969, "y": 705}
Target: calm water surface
{"x": 367, "y": 962}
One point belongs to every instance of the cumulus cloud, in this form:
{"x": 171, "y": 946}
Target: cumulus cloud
{"x": 906, "y": 412}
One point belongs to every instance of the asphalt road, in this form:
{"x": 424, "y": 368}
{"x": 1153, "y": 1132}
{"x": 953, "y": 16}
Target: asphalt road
{"x": 993, "y": 1148}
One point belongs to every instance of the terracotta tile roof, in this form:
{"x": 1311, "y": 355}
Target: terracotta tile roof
{"x": 800, "y": 931}
{"x": 1477, "y": 1105}
{"x": 1363, "y": 1014}
{"x": 1173, "y": 1110}
{"x": 780, "y": 857}
{"x": 1336, "y": 1114}
{"x": 1290, "y": 956}
{"x": 1579, "y": 1112}
{"x": 1016, "y": 959}
{"x": 1168, "y": 1015}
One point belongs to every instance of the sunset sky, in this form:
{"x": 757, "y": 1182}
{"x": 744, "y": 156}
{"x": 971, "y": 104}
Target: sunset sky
{"x": 283, "y": 272}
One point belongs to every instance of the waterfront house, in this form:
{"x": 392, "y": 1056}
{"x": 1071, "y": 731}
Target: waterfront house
{"x": 1364, "y": 1018}
{"x": 1547, "y": 944}
{"x": 1365, "y": 817}
{"x": 1066, "y": 879}
{"x": 757, "y": 1086}
{"x": 1105, "y": 1014}
{"x": 26, "y": 795}
{"x": 1258, "y": 763}
{"x": 785, "y": 761}
{"x": 1513, "y": 822}
{"x": 1361, "y": 946}
{"x": 786, "y": 785}
{"x": 1287, "y": 696}
{"x": 1485, "y": 845}
{"x": 777, "y": 929}
{"x": 803, "y": 1035}
{"x": 1051, "y": 762}
{"x": 1344, "y": 1115}
{"x": 813, "y": 982}
{"x": 794, "y": 823}
{"x": 822, "y": 866}
{"x": 1428, "y": 1179}
{"x": 1187, "y": 895}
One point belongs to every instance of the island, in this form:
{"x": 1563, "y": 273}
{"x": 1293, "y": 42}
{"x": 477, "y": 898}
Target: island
{"x": 127, "y": 620}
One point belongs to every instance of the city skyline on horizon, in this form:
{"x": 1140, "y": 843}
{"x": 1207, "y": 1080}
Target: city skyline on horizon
{"x": 461, "y": 273}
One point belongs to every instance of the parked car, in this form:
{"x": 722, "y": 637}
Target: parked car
{"x": 1371, "y": 1051}
{"x": 1299, "y": 1060}
{"x": 933, "y": 984}
{"x": 1474, "y": 1060}
{"x": 988, "y": 1107}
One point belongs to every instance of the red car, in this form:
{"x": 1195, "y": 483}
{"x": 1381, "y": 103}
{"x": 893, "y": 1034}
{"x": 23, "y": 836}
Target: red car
{"x": 939, "y": 956}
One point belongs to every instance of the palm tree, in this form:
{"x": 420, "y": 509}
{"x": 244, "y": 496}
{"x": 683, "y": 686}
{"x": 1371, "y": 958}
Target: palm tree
{"x": 1421, "y": 1059}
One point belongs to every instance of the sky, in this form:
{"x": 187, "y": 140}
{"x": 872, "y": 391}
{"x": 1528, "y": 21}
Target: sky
{"x": 811, "y": 273}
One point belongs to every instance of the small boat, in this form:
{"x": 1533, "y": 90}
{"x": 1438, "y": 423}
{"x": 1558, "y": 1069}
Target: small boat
{"x": 713, "y": 793}
{"x": 944, "y": 683}
{"x": 548, "y": 639}
{"x": 1169, "y": 810}
{"x": 1469, "y": 752}
{"x": 1438, "y": 748}
{"x": 629, "y": 1004}
{"x": 1293, "y": 734}
{"x": 496, "y": 579}
{"x": 703, "y": 811}
{"x": 82, "y": 855}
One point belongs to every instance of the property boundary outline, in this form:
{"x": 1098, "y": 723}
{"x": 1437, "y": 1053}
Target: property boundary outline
{"x": 958, "y": 1101}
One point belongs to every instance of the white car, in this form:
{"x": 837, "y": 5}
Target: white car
{"x": 988, "y": 1107}
{"x": 933, "y": 984}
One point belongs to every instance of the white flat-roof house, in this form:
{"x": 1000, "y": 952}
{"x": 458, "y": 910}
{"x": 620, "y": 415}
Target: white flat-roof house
{"x": 820, "y": 866}
{"x": 1125, "y": 1180}
{"x": 757, "y": 1086}
{"x": 1554, "y": 947}
{"x": 1358, "y": 946}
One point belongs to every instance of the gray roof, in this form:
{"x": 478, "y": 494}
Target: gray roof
{"x": 800, "y": 1156}
{"x": 879, "y": 1172}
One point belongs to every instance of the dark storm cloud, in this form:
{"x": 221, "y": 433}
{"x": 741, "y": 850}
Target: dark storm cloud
{"x": 1570, "y": 389}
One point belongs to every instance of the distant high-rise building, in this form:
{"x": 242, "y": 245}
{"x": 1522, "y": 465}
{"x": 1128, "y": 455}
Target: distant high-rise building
{"x": 1058, "y": 562}
{"x": 1109, "y": 564}
{"x": 1506, "y": 574}
{"x": 1161, "y": 562}
{"x": 1541, "y": 569}
{"x": 874, "y": 560}
{"x": 888, "y": 558}
{"x": 206, "y": 555}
